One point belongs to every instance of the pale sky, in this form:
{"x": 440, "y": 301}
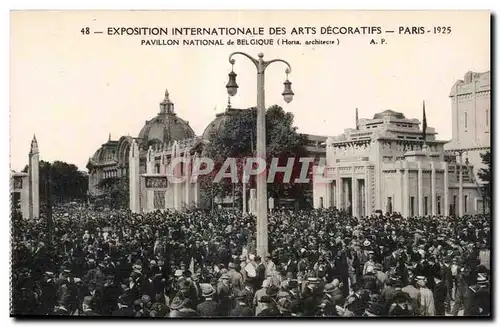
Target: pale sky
{"x": 72, "y": 90}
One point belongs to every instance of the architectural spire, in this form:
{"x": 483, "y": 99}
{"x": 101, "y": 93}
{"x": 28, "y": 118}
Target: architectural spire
{"x": 34, "y": 145}
{"x": 167, "y": 96}
{"x": 166, "y": 106}
{"x": 109, "y": 138}
{"x": 424, "y": 123}
{"x": 228, "y": 103}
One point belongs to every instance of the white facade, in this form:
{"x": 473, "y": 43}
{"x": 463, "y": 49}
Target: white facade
{"x": 384, "y": 165}
{"x": 471, "y": 118}
{"x": 157, "y": 189}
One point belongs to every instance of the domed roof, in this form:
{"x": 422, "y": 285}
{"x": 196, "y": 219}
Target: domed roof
{"x": 166, "y": 127}
{"x": 389, "y": 113}
{"x": 215, "y": 126}
{"x": 219, "y": 122}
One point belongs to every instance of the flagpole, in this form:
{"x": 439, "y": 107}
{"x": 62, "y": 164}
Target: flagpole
{"x": 357, "y": 120}
{"x": 424, "y": 127}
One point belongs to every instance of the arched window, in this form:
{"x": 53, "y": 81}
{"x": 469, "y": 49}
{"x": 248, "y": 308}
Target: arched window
{"x": 487, "y": 118}
{"x": 465, "y": 120}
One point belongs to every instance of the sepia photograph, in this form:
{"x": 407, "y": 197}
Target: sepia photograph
{"x": 250, "y": 164}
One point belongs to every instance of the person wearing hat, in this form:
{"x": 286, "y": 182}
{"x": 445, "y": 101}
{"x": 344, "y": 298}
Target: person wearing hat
{"x": 336, "y": 295}
{"x": 391, "y": 261}
{"x": 426, "y": 301}
{"x": 356, "y": 302}
{"x": 268, "y": 307}
{"x": 260, "y": 293}
{"x": 235, "y": 278}
{"x": 260, "y": 272}
{"x": 272, "y": 291}
{"x": 332, "y": 297}
{"x": 389, "y": 289}
{"x": 446, "y": 276}
{"x": 483, "y": 298}
{"x": 369, "y": 280}
{"x": 209, "y": 307}
{"x": 375, "y": 309}
{"x": 370, "y": 262}
{"x": 283, "y": 305}
{"x": 179, "y": 308}
{"x": 381, "y": 276}
{"x": 48, "y": 296}
{"x": 312, "y": 297}
{"x": 477, "y": 298}
{"x": 400, "y": 306}
{"x": 182, "y": 289}
{"x": 291, "y": 266}
{"x": 269, "y": 265}
{"x": 460, "y": 290}
{"x": 242, "y": 309}
{"x": 135, "y": 284}
{"x": 224, "y": 294}
{"x": 412, "y": 291}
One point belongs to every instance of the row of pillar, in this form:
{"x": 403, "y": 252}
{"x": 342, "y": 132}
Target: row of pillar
{"x": 341, "y": 191}
{"x": 191, "y": 190}
{"x": 406, "y": 190}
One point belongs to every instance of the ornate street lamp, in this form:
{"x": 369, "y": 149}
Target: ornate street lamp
{"x": 287, "y": 93}
{"x": 261, "y": 179}
{"x": 232, "y": 86}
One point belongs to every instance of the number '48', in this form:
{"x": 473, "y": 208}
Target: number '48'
{"x": 85, "y": 31}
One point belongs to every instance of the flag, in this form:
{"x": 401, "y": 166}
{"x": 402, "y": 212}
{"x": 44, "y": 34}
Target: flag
{"x": 357, "y": 120}
{"x": 424, "y": 123}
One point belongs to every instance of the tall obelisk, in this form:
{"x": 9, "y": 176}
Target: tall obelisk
{"x": 34, "y": 180}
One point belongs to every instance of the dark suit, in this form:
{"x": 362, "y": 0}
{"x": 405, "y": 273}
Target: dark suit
{"x": 260, "y": 276}
{"x": 123, "y": 312}
{"x": 369, "y": 282}
{"x": 292, "y": 268}
{"x": 208, "y": 308}
{"x": 447, "y": 277}
{"x": 440, "y": 298}
{"x": 389, "y": 262}
{"x": 270, "y": 312}
{"x": 399, "y": 311}
{"x": 241, "y": 311}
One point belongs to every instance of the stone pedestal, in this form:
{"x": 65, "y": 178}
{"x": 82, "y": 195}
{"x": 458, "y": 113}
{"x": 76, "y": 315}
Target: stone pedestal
{"x": 134, "y": 178}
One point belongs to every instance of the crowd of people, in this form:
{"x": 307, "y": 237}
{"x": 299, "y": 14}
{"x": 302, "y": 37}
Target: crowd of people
{"x": 321, "y": 263}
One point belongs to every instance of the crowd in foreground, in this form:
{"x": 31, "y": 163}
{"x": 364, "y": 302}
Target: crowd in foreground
{"x": 321, "y": 263}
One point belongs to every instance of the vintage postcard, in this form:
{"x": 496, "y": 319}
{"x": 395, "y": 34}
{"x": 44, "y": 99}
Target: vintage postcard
{"x": 181, "y": 164}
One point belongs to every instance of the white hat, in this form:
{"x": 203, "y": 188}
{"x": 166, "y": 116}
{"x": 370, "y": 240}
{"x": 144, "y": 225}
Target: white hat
{"x": 366, "y": 243}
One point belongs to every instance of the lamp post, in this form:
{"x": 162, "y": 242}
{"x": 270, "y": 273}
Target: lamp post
{"x": 261, "y": 179}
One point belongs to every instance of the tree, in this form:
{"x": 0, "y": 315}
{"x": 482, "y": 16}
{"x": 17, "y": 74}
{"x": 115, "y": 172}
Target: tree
{"x": 485, "y": 175}
{"x": 115, "y": 192}
{"x": 238, "y": 140}
{"x": 67, "y": 183}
